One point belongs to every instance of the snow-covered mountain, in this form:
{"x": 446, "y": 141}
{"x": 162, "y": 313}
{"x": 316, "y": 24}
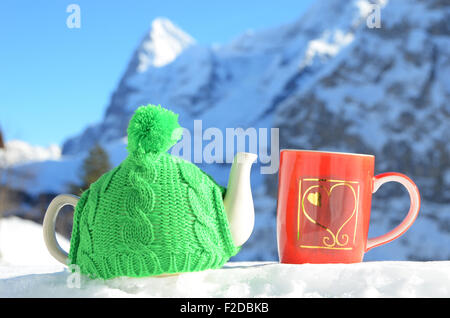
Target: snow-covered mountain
{"x": 328, "y": 82}
{"x": 248, "y": 77}
{"x": 18, "y": 152}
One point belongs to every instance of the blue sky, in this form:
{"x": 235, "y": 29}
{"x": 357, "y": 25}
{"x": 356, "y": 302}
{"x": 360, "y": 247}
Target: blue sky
{"x": 54, "y": 81}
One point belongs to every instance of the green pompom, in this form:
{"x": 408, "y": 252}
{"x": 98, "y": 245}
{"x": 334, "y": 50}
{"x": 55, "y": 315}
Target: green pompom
{"x": 153, "y": 129}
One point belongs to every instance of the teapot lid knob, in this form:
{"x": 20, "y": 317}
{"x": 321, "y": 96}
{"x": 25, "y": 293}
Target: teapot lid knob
{"x": 153, "y": 129}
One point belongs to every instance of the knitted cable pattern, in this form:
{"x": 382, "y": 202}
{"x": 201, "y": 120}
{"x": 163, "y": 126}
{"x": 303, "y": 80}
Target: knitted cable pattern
{"x": 153, "y": 214}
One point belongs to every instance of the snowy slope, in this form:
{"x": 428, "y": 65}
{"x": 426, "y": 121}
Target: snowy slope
{"x": 27, "y": 270}
{"x": 22, "y": 244}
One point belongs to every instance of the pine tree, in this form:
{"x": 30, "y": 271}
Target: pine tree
{"x": 2, "y": 142}
{"x": 94, "y": 166}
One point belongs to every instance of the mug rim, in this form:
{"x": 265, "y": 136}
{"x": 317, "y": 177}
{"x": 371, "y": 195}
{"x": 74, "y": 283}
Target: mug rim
{"x": 329, "y": 152}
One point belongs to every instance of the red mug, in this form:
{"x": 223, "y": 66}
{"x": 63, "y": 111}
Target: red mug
{"x": 323, "y": 208}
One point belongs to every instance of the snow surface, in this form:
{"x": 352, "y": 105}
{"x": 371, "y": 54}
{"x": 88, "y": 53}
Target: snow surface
{"x": 27, "y": 270}
{"x": 22, "y": 244}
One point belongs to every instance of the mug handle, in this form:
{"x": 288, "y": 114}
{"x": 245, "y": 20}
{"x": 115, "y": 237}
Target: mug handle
{"x": 413, "y": 209}
{"x": 49, "y": 225}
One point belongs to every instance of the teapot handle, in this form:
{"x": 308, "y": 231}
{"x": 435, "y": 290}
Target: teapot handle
{"x": 49, "y": 225}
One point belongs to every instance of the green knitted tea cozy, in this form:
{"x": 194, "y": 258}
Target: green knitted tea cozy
{"x": 154, "y": 213}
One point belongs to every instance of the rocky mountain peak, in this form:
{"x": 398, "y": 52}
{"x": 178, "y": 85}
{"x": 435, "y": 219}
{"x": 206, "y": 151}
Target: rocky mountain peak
{"x": 161, "y": 44}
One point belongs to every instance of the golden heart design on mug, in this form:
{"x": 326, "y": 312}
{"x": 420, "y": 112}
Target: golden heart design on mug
{"x": 327, "y": 206}
{"x": 315, "y": 198}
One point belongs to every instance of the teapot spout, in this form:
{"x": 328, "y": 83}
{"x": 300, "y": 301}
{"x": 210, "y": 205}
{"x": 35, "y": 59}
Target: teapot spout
{"x": 238, "y": 200}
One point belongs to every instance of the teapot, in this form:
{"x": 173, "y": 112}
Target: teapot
{"x": 155, "y": 214}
